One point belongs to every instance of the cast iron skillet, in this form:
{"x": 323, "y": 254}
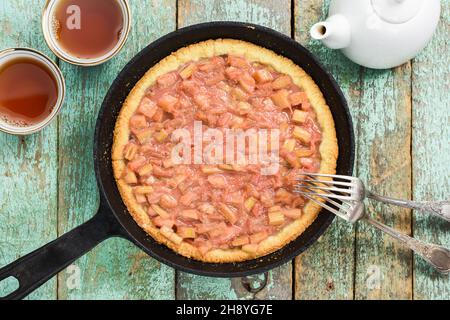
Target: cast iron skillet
{"x": 112, "y": 218}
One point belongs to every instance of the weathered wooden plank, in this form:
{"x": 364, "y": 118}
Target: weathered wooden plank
{"x": 115, "y": 270}
{"x": 28, "y": 188}
{"x": 274, "y": 14}
{"x": 325, "y": 271}
{"x": 431, "y": 151}
{"x": 383, "y": 269}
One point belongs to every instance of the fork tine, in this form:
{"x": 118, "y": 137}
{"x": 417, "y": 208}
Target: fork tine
{"x": 336, "y": 204}
{"x": 312, "y": 187}
{"x": 332, "y": 210}
{"x": 332, "y": 182}
{"x": 324, "y": 195}
{"x": 348, "y": 178}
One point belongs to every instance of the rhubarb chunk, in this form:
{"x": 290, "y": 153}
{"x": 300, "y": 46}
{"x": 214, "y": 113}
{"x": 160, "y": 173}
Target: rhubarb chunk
{"x": 293, "y": 213}
{"x": 167, "y": 163}
{"x": 307, "y": 162}
{"x": 211, "y": 169}
{"x": 144, "y": 136}
{"x": 188, "y": 198}
{"x": 161, "y": 222}
{"x": 160, "y": 211}
{"x": 276, "y": 218}
{"x": 159, "y": 115}
{"x": 244, "y": 107}
{"x": 302, "y": 135}
{"x": 161, "y": 135}
{"x": 140, "y": 198}
{"x": 167, "y": 80}
{"x": 299, "y": 116}
{"x": 217, "y": 181}
{"x": 186, "y": 232}
{"x": 240, "y": 241}
{"x": 237, "y": 122}
{"x": 189, "y": 214}
{"x": 239, "y": 94}
{"x": 138, "y": 122}
{"x": 167, "y": 102}
{"x": 281, "y": 82}
{"x": 170, "y": 235}
{"x": 130, "y": 177}
{"x": 281, "y": 99}
{"x": 130, "y": 151}
{"x": 274, "y": 208}
{"x": 258, "y": 237}
{"x": 289, "y": 145}
{"x": 238, "y": 62}
{"x": 262, "y": 76}
{"x": 143, "y": 189}
{"x": 303, "y": 152}
{"x": 249, "y": 203}
{"x": 147, "y": 108}
{"x": 228, "y": 213}
{"x": 145, "y": 170}
{"x": 283, "y": 196}
{"x": 168, "y": 201}
{"x": 206, "y": 208}
{"x": 247, "y": 82}
{"x": 233, "y": 73}
{"x": 187, "y": 72}
{"x": 298, "y": 98}
{"x": 227, "y": 167}
{"x": 202, "y": 101}
{"x": 137, "y": 163}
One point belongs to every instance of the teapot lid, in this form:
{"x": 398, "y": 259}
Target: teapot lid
{"x": 397, "y": 11}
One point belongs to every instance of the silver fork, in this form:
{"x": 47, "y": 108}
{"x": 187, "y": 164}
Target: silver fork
{"x": 354, "y": 210}
{"x": 348, "y": 188}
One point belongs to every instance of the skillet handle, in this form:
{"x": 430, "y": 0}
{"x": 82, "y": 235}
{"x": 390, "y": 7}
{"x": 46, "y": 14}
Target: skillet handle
{"x": 39, "y": 266}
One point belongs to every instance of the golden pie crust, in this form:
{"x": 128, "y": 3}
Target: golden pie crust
{"x": 253, "y": 53}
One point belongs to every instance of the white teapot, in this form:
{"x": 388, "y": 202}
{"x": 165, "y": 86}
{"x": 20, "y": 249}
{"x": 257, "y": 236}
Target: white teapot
{"x": 379, "y": 34}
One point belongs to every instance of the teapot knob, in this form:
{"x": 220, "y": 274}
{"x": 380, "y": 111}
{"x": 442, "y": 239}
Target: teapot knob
{"x": 397, "y": 11}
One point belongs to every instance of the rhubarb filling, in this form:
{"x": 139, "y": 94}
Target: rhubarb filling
{"x": 220, "y": 206}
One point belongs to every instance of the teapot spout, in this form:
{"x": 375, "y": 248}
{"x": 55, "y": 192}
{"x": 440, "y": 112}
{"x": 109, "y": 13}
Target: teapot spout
{"x": 334, "y": 32}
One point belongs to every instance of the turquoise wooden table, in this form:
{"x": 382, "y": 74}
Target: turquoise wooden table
{"x": 402, "y": 124}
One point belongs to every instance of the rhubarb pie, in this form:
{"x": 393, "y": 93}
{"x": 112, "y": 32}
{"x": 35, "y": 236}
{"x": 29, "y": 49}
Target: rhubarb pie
{"x": 222, "y": 211}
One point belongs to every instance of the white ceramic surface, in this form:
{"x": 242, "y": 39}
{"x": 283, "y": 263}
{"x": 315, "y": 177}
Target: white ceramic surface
{"x": 379, "y": 34}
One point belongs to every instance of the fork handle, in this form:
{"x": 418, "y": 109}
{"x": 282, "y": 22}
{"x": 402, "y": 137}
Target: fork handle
{"x": 438, "y": 208}
{"x": 436, "y": 256}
